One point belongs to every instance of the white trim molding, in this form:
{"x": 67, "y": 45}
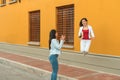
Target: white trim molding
{"x": 33, "y": 43}
{"x": 1, "y": 5}
{"x": 68, "y": 46}
{"x": 12, "y": 1}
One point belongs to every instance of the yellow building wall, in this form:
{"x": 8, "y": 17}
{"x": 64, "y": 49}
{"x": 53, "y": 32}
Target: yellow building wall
{"x": 103, "y": 15}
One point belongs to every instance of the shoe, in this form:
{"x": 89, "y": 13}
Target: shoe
{"x": 82, "y": 52}
{"x": 85, "y": 53}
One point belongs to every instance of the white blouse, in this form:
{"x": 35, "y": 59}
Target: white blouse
{"x": 91, "y": 33}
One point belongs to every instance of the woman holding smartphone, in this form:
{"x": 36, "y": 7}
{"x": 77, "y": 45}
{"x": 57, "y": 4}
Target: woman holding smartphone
{"x": 54, "y": 47}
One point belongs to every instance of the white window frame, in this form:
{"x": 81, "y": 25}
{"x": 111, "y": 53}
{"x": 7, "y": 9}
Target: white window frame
{"x": 12, "y": 1}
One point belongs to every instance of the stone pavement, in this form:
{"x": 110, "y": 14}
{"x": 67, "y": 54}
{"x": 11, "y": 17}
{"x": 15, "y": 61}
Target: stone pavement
{"x": 65, "y": 70}
{"x": 10, "y": 73}
{"x": 93, "y": 61}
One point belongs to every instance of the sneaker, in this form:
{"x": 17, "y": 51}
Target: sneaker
{"x": 82, "y": 52}
{"x": 85, "y": 53}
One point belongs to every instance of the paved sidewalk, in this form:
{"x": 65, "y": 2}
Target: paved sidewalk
{"x": 10, "y": 73}
{"x": 93, "y": 61}
{"x": 73, "y": 72}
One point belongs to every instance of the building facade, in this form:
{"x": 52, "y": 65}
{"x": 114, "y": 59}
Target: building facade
{"x": 28, "y": 22}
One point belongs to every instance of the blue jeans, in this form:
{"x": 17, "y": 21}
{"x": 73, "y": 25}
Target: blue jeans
{"x": 54, "y": 62}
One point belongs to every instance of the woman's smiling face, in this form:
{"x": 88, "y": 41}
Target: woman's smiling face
{"x": 84, "y": 22}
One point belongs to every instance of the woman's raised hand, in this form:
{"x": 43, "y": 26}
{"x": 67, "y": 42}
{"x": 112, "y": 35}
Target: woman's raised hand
{"x": 62, "y": 37}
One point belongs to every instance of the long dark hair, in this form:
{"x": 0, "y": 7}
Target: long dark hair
{"x": 80, "y": 24}
{"x": 51, "y": 36}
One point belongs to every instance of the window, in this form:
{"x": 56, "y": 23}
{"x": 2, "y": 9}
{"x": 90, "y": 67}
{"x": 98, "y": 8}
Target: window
{"x": 65, "y": 23}
{"x": 3, "y": 3}
{"x": 12, "y": 1}
{"x": 19, "y": 0}
{"x": 34, "y": 22}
